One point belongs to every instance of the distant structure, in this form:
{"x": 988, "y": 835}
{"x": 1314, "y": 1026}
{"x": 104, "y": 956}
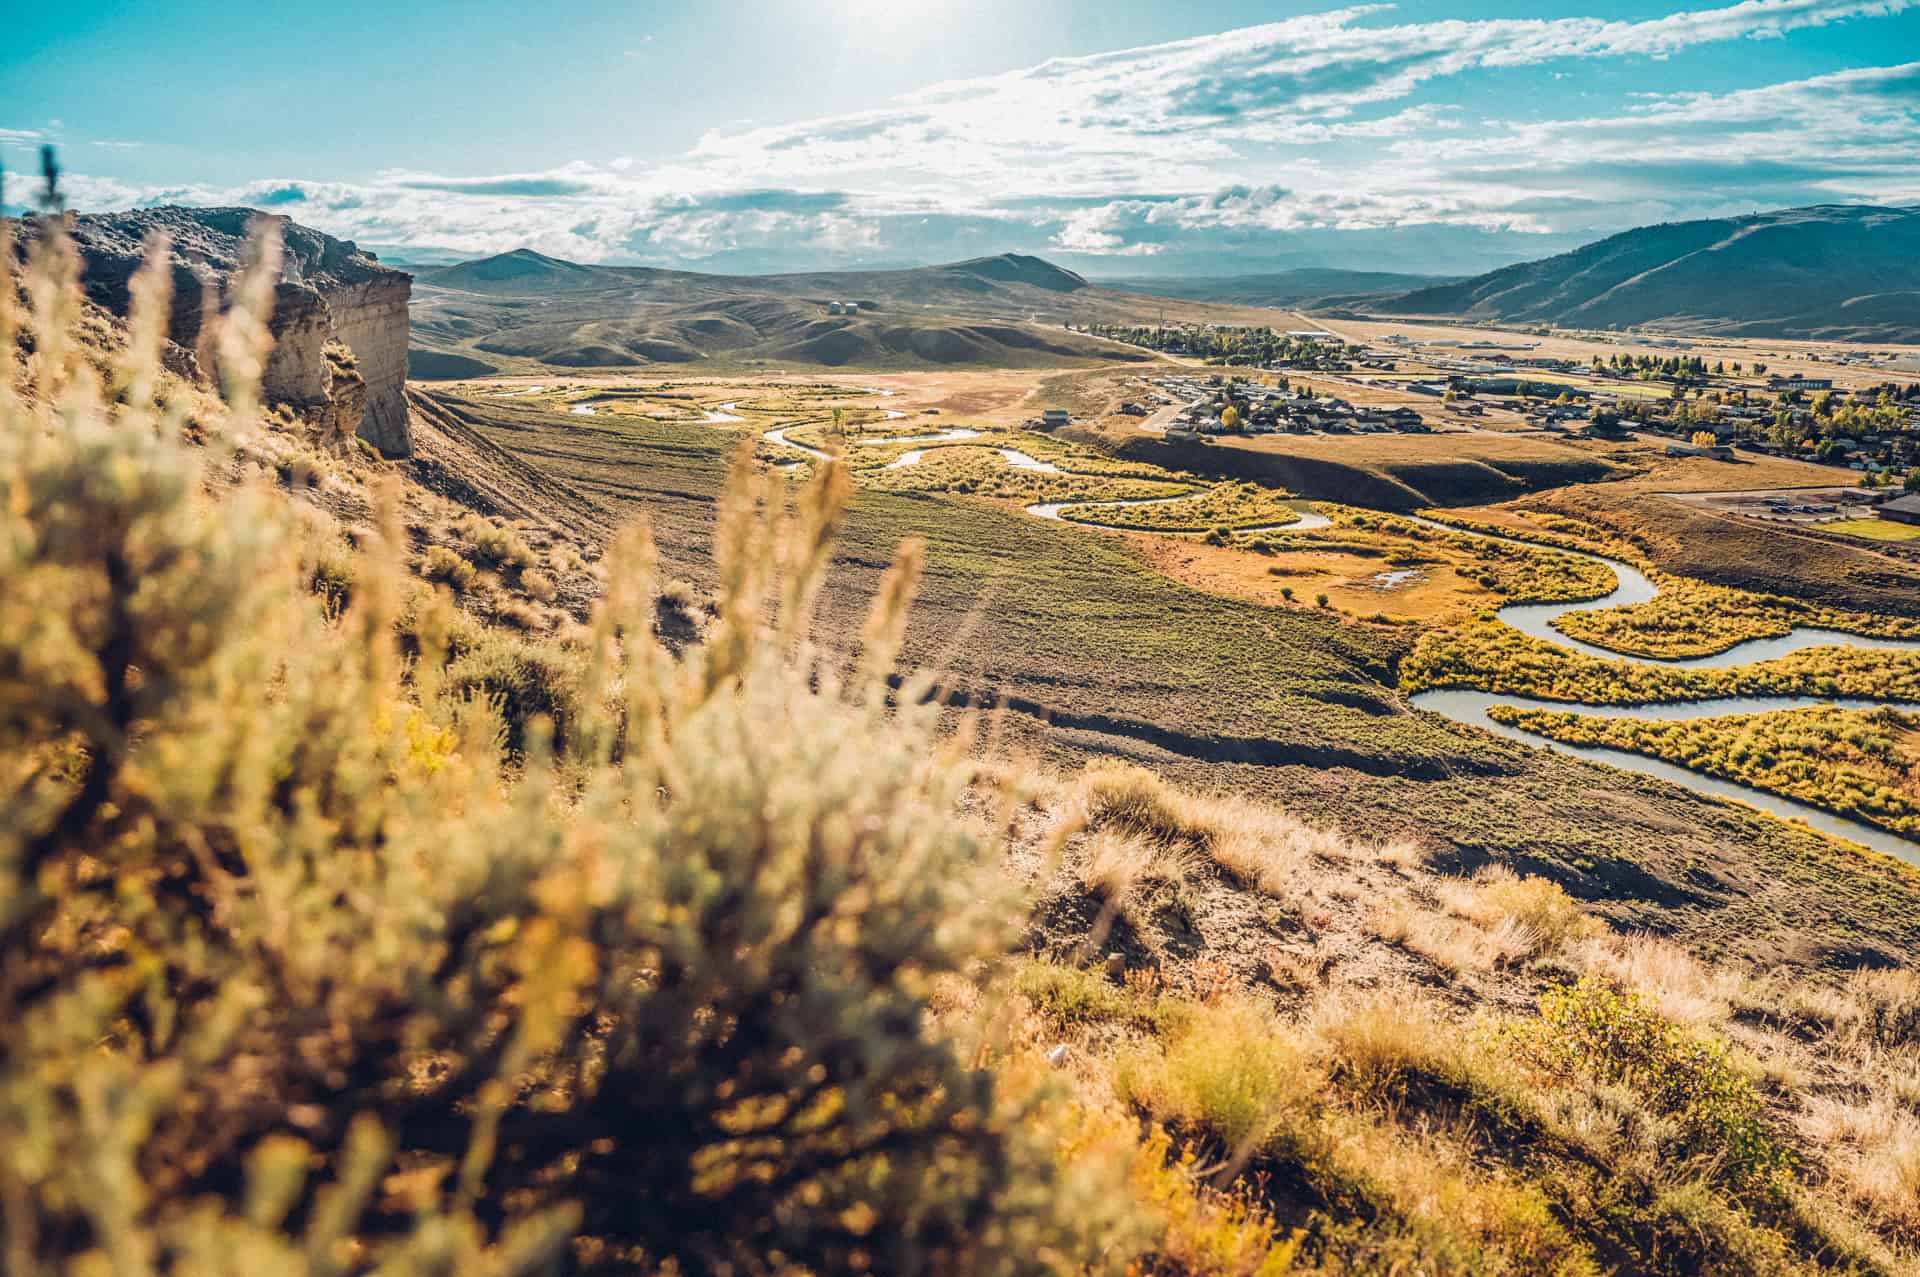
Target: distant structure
{"x": 1902, "y": 509}
{"x": 1054, "y": 417}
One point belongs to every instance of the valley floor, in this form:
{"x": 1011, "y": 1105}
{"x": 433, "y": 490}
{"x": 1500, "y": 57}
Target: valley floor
{"x": 1215, "y": 664}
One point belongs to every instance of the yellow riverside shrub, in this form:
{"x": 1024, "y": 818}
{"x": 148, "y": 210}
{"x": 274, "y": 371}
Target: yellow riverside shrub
{"x": 1492, "y": 656}
{"x": 1696, "y": 618}
{"x": 1858, "y": 763}
{"x": 295, "y": 978}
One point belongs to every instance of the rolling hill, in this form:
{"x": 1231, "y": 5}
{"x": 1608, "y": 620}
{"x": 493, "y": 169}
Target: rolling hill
{"x": 1003, "y": 311}
{"x": 1835, "y": 272}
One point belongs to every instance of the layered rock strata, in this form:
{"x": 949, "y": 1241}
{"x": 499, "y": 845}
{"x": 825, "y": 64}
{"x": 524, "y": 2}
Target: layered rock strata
{"x": 328, "y": 290}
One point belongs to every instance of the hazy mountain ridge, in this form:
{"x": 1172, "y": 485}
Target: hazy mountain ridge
{"x": 1304, "y": 286}
{"x": 1005, "y": 310}
{"x": 525, "y": 271}
{"x": 1839, "y": 272}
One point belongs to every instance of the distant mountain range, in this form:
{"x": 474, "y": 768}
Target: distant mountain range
{"x": 1001, "y": 311}
{"x": 1838, "y": 272}
{"x": 1303, "y": 287}
{"x": 524, "y": 271}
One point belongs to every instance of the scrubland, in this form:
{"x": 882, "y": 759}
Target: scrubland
{"x": 983, "y": 472}
{"x": 1696, "y": 618}
{"x": 351, "y": 923}
{"x": 1520, "y": 573}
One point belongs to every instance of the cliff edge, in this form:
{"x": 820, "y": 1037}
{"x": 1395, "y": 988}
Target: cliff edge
{"x": 329, "y": 290}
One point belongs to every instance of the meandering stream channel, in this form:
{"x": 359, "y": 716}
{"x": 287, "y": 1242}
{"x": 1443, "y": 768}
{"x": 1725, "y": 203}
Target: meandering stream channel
{"x": 1469, "y": 707}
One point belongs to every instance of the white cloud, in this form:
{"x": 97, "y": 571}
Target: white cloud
{"x": 1223, "y": 143}
{"x": 1159, "y": 110}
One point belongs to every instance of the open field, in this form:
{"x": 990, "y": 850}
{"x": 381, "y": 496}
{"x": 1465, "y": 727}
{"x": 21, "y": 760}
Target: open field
{"x": 1375, "y": 566}
{"x": 1873, "y": 529}
{"x": 1781, "y": 355}
{"x": 1357, "y": 578}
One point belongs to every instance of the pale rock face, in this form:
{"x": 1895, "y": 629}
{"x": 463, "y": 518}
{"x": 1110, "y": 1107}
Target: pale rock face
{"x": 346, "y": 405}
{"x": 328, "y": 291}
{"x": 371, "y": 320}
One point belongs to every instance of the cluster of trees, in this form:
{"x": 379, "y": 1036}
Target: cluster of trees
{"x": 1828, "y": 418}
{"x": 1671, "y": 367}
{"x": 1236, "y": 347}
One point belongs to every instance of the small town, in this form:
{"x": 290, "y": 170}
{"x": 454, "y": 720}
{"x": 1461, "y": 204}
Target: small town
{"x": 1716, "y": 411}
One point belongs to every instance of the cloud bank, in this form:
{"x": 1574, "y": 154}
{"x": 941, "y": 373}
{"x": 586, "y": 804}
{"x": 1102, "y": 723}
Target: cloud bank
{"x": 1307, "y": 138}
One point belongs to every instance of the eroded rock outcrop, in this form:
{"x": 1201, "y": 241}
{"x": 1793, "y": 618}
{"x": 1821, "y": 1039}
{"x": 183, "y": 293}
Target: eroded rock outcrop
{"x": 329, "y": 290}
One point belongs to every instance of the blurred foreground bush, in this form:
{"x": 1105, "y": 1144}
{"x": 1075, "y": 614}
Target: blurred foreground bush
{"x": 297, "y": 976}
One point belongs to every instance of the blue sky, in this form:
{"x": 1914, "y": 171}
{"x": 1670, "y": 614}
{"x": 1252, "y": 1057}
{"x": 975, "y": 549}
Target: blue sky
{"x": 1118, "y": 137}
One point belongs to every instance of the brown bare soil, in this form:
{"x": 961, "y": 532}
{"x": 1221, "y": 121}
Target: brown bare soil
{"x": 1388, "y": 472}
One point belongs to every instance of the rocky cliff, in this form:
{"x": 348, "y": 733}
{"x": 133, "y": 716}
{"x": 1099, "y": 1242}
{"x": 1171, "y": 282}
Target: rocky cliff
{"x": 328, "y": 291}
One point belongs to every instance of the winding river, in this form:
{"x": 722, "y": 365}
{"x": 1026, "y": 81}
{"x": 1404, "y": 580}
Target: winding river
{"x": 1468, "y": 706}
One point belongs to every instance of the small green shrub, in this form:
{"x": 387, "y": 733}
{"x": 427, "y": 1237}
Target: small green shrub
{"x": 442, "y": 564}
{"x": 495, "y": 546}
{"x": 1229, "y": 1074}
{"x": 1592, "y": 1030}
{"x": 1075, "y": 996}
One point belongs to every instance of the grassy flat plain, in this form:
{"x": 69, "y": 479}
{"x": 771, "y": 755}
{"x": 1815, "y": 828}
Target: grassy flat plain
{"x": 1872, "y": 529}
{"x": 1781, "y": 355}
{"x": 1102, "y": 644}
